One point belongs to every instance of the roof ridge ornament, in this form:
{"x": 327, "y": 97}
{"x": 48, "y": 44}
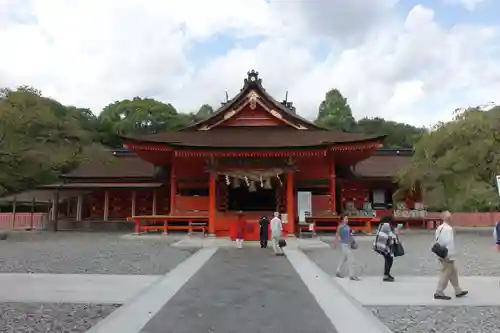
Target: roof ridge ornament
{"x": 252, "y": 77}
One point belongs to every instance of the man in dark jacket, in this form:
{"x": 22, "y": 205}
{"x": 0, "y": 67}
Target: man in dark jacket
{"x": 264, "y": 231}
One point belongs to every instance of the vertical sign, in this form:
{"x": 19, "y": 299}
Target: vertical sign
{"x": 304, "y": 203}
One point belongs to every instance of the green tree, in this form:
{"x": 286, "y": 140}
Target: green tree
{"x": 456, "y": 163}
{"x": 399, "y": 135}
{"x": 137, "y": 116}
{"x": 39, "y": 139}
{"x": 204, "y": 112}
{"x": 335, "y": 113}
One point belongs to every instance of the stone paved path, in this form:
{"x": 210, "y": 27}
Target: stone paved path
{"x": 242, "y": 291}
{"x": 418, "y": 291}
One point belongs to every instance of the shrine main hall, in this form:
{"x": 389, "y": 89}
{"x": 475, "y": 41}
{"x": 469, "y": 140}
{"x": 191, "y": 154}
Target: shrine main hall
{"x": 254, "y": 154}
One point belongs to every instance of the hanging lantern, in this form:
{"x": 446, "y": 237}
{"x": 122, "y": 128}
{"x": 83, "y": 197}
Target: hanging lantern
{"x": 279, "y": 179}
{"x": 252, "y": 187}
{"x": 261, "y": 182}
{"x": 228, "y": 180}
{"x": 267, "y": 184}
{"x": 236, "y": 183}
{"x": 247, "y": 181}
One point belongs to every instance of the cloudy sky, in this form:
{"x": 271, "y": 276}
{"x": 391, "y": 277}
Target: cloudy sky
{"x": 405, "y": 60}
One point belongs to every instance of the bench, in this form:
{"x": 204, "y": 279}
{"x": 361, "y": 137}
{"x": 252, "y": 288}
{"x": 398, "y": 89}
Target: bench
{"x": 168, "y": 223}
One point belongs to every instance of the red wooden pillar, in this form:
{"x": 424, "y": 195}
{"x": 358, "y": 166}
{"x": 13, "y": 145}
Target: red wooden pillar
{"x": 173, "y": 186}
{"x": 212, "y": 208}
{"x": 290, "y": 209}
{"x": 333, "y": 199}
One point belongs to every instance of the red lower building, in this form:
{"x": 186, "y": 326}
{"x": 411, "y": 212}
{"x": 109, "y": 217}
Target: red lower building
{"x": 253, "y": 155}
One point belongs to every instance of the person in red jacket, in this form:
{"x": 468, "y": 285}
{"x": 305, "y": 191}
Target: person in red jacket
{"x": 240, "y": 230}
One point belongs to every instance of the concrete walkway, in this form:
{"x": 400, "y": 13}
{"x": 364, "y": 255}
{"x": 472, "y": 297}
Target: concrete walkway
{"x": 412, "y": 290}
{"x": 72, "y": 288}
{"x": 347, "y": 315}
{"x": 246, "y": 291}
{"x": 132, "y": 316}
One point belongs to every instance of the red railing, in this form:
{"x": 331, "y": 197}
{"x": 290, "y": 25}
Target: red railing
{"x": 21, "y": 221}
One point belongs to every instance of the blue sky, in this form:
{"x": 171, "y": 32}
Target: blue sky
{"x": 409, "y": 60}
{"x": 448, "y": 14}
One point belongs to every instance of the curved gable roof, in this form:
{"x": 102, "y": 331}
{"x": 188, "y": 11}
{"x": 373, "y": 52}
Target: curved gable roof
{"x": 254, "y": 83}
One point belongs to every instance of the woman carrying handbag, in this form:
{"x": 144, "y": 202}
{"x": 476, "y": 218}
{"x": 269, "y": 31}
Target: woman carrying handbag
{"x": 347, "y": 245}
{"x": 387, "y": 244}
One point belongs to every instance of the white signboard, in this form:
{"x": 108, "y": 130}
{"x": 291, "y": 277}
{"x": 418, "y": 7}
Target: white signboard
{"x": 304, "y": 203}
{"x": 498, "y": 184}
{"x": 284, "y": 218}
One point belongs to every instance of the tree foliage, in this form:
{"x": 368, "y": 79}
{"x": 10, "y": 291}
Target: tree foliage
{"x": 39, "y": 139}
{"x": 399, "y": 135}
{"x": 136, "y": 116}
{"x": 336, "y": 114}
{"x": 456, "y": 163}
{"x": 143, "y": 116}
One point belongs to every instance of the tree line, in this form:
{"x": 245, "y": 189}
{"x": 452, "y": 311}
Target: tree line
{"x": 41, "y": 139}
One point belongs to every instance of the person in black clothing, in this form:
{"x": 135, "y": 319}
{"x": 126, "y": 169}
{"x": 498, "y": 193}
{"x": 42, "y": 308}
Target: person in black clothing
{"x": 264, "y": 231}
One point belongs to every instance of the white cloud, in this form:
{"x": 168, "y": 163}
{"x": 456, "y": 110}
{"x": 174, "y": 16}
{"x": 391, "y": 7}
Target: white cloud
{"x": 92, "y": 52}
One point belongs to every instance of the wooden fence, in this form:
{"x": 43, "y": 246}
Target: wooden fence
{"x": 22, "y": 221}
{"x": 472, "y": 219}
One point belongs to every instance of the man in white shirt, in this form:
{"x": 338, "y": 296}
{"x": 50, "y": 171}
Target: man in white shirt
{"x": 445, "y": 236}
{"x": 276, "y": 233}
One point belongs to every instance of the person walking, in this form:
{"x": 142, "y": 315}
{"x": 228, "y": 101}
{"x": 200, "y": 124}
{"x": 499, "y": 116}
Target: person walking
{"x": 445, "y": 237}
{"x": 240, "y": 230}
{"x": 277, "y": 234}
{"x": 347, "y": 244}
{"x": 496, "y": 235}
{"x": 264, "y": 231}
{"x": 385, "y": 239}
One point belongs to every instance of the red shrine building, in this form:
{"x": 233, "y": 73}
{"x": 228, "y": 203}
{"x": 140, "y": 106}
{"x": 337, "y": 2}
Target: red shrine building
{"x": 254, "y": 155}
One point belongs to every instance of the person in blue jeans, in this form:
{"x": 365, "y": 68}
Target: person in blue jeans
{"x": 344, "y": 237}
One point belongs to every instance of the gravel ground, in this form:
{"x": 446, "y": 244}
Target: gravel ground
{"x": 476, "y": 256}
{"x": 452, "y": 319}
{"x": 92, "y": 253}
{"x": 51, "y": 317}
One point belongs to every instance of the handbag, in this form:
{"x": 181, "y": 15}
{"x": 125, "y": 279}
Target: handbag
{"x": 282, "y": 243}
{"x": 398, "y": 249}
{"x": 354, "y": 244}
{"x": 438, "y": 249}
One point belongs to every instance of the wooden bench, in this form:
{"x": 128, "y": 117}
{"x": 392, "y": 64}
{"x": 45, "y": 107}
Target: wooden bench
{"x": 169, "y": 223}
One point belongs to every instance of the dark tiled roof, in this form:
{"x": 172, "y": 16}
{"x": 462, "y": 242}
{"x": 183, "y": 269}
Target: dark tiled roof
{"x": 382, "y": 166}
{"x": 103, "y": 185}
{"x": 254, "y": 138}
{"x": 117, "y": 167}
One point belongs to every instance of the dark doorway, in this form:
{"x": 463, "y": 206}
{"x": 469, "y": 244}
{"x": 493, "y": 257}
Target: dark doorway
{"x": 259, "y": 200}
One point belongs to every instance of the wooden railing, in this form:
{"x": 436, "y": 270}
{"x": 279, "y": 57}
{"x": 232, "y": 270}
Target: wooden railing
{"x": 167, "y": 223}
{"x": 22, "y": 221}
